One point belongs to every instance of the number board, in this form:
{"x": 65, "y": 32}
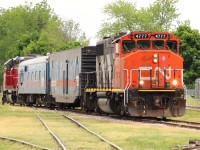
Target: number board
{"x": 160, "y": 36}
{"x": 141, "y": 36}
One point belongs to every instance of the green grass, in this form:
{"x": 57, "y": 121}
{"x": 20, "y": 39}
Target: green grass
{"x": 73, "y": 136}
{"x": 192, "y": 102}
{"x": 190, "y": 115}
{"x": 22, "y": 123}
{"x": 140, "y": 136}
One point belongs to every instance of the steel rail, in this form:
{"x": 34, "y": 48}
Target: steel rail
{"x": 24, "y": 143}
{"x": 186, "y": 122}
{"x": 54, "y": 136}
{"x": 182, "y": 125}
{"x": 169, "y": 122}
{"x": 174, "y": 123}
{"x": 85, "y": 128}
{"x": 195, "y": 108}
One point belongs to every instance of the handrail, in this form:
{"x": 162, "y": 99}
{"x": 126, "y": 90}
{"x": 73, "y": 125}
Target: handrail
{"x": 125, "y": 87}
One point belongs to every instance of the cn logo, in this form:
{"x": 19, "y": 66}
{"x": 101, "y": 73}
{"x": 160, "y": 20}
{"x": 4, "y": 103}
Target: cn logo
{"x": 145, "y": 73}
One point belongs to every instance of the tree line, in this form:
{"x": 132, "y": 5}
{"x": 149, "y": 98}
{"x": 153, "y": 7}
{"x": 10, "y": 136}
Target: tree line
{"x": 38, "y": 29}
{"x": 161, "y": 15}
{"x": 28, "y": 29}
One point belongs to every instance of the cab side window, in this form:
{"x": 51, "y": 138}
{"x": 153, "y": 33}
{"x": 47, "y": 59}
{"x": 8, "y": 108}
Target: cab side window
{"x": 172, "y": 45}
{"x": 128, "y": 46}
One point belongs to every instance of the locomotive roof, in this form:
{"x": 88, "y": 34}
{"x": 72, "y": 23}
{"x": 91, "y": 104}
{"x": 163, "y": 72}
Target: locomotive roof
{"x": 67, "y": 50}
{"x": 138, "y": 32}
{"x": 71, "y": 53}
{"x": 16, "y": 60}
{"x": 42, "y": 59}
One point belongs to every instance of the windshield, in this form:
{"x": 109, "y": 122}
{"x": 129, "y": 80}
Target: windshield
{"x": 158, "y": 44}
{"x": 172, "y": 45}
{"x": 143, "y": 44}
{"x": 128, "y": 46}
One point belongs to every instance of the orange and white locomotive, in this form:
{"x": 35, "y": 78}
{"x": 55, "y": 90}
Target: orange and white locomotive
{"x": 140, "y": 74}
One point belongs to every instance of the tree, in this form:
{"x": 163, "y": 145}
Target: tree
{"x": 124, "y": 16}
{"x": 190, "y": 50}
{"x": 28, "y": 29}
{"x": 161, "y": 15}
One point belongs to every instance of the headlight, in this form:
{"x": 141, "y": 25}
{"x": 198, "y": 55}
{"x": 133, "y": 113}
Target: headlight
{"x": 155, "y": 55}
{"x": 174, "y": 82}
{"x": 155, "y": 60}
{"x": 141, "y": 82}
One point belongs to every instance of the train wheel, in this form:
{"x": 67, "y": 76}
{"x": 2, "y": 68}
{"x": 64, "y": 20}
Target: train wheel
{"x": 3, "y": 100}
{"x": 52, "y": 106}
{"x": 85, "y": 102}
{"x": 122, "y": 113}
{"x": 82, "y": 104}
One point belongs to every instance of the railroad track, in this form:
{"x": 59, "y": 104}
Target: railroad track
{"x": 53, "y": 135}
{"x": 167, "y": 122}
{"x": 114, "y": 146}
{"x": 184, "y": 124}
{"x": 91, "y": 132}
{"x": 193, "y": 145}
{"x": 23, "y": 143}
{"x": 193, "y": 108}
{"x": 170, "y": 122}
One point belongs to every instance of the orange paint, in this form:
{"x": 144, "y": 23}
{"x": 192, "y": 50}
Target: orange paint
{"x": 127, "y": 64}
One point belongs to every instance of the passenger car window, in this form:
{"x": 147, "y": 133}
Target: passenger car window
{"x": 21, "y": 77}
{"x": 28, "y": 77}
{"x": 39, "y": 75}
{"x": 172, "y": 45}
{"x": 143, "y": 44}
{"x": 36, "y": 75}
{"x": 158, "y": 44}
{"x": 32, "y": 75}
{"x": 128, "y": 46}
